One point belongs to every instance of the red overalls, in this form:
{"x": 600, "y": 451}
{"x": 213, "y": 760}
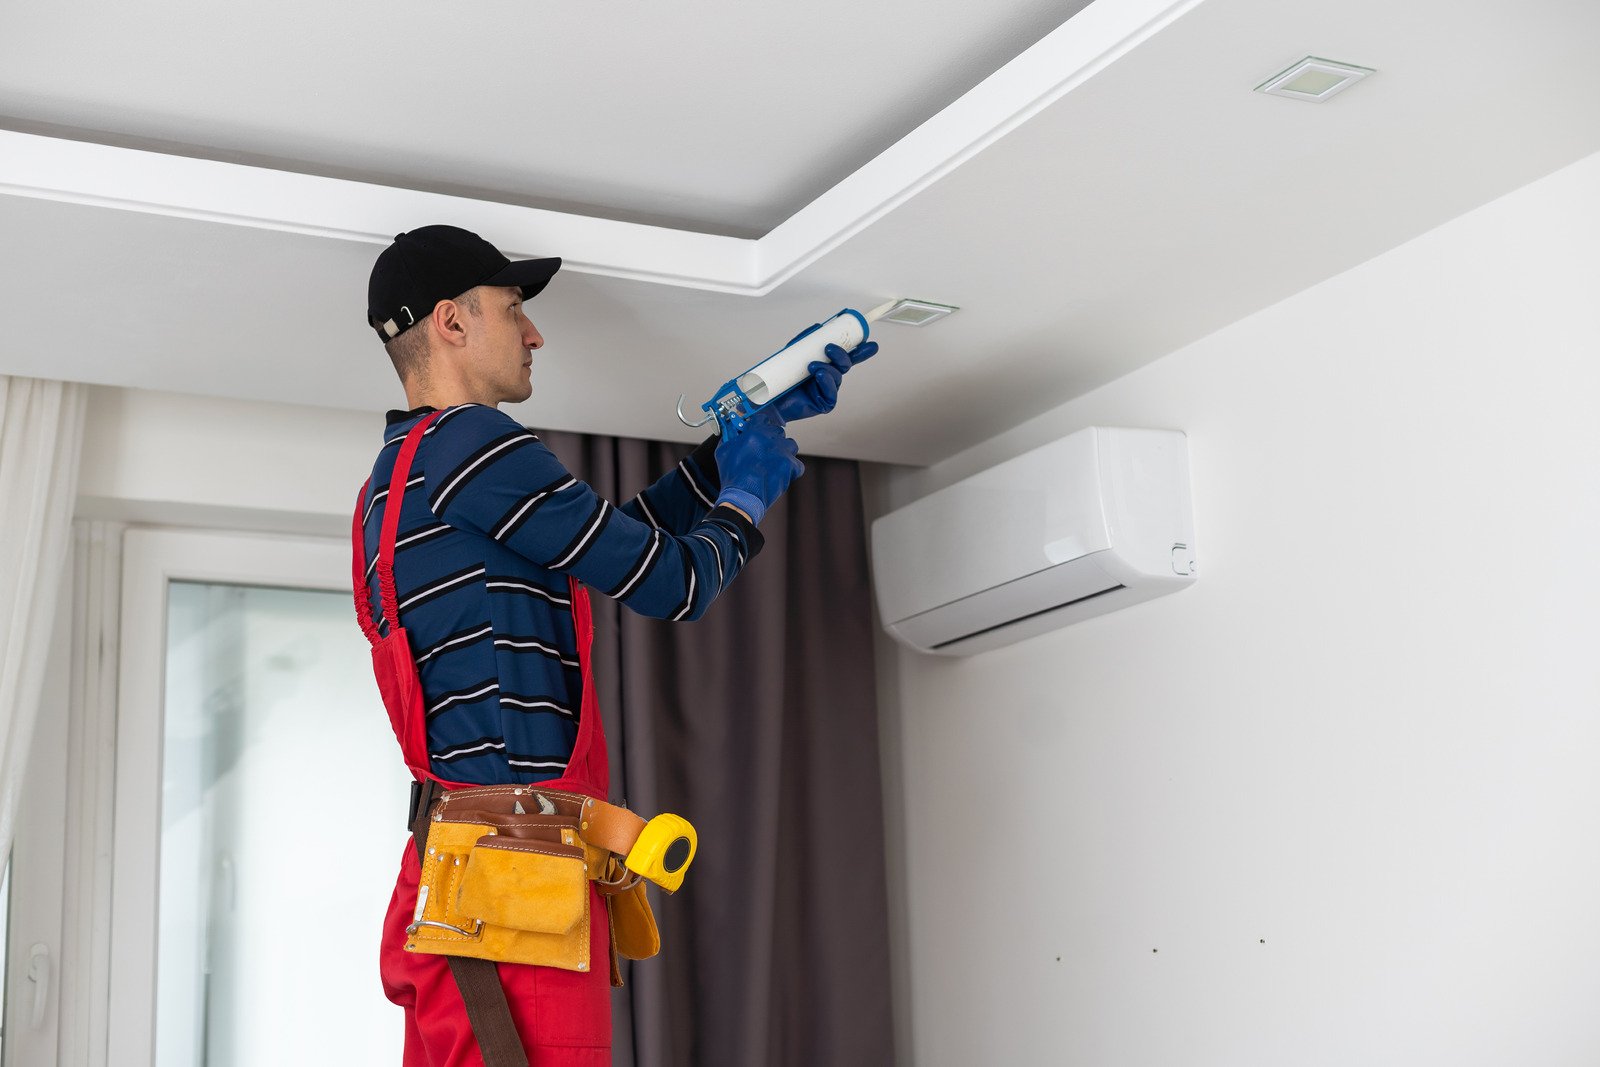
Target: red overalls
{"x": 563, "y": 1017}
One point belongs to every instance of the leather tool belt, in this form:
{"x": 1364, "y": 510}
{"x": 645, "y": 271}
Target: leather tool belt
{"x": 506, "y": 872}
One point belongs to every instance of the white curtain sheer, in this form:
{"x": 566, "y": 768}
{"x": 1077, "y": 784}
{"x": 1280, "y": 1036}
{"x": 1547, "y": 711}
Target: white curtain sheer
{"x": 41, "y": 433}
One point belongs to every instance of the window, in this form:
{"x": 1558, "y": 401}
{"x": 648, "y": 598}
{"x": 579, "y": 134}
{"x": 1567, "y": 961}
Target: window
{"x": 282, "y": 825}
{"x": 260, "y": 809}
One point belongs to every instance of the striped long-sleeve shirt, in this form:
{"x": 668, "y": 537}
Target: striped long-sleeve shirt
{"x": 490, "y": 527}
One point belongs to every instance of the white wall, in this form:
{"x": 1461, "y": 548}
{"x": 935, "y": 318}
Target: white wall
{"x": 1338, "y": 803}
{"x": 175, "y": 460}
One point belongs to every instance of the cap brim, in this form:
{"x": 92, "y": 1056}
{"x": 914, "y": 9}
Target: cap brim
{"x": 529, "y": 275}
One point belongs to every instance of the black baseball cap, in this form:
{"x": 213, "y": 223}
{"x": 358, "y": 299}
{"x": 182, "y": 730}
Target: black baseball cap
{"x": 434, "y": 263}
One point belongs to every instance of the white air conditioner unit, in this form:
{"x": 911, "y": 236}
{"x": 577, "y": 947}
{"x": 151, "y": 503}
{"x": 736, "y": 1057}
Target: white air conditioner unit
{"x": 1088, "y": 524}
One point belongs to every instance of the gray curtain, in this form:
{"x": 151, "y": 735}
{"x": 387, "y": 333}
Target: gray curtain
{"x": 758, "y": 723}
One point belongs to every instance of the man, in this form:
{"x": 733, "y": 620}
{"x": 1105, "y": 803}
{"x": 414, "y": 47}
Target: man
{"x": 493, "y": 538}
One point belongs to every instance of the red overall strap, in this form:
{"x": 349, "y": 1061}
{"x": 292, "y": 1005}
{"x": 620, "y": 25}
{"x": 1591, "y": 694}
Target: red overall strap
{"x": 386, "y": 537}
{"x": 358, "y": 561}
{"x": 588, "y": 769}
{"x": 392, "y": 664}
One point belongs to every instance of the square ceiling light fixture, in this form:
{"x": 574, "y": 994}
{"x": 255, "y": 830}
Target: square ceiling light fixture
{"x": 916, "y": 312}
{"x": 1314, "y": 79}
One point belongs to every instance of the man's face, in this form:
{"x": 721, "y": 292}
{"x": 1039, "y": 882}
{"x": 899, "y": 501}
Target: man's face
{"x": 503, "y": 353}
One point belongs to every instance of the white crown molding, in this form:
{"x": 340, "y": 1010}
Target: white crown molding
{"x": 181, "y": 187}
{"x": 235, "y": 194}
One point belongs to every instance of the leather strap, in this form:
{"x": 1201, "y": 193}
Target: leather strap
{"x": 488, "y": 1011}
{"x": 610, "y": 827}
{"x": 477, "y": 979}
{"x": 605, "y": 826}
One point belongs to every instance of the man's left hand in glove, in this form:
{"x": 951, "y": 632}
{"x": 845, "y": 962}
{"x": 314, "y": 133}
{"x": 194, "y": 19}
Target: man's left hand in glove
{"x": 820, "y": 393}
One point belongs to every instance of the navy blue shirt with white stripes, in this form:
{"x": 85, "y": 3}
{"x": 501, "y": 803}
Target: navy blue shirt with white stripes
{"x": 490, "y": 527}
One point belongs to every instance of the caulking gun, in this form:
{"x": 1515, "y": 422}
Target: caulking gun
{"x": 762, "y": 385}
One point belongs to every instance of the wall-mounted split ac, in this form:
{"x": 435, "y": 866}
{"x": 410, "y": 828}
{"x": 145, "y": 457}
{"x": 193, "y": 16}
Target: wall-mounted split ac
{"x": 1096, "y": 521}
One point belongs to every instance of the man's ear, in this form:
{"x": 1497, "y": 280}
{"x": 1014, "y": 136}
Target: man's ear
{"x": 449, "y": 323}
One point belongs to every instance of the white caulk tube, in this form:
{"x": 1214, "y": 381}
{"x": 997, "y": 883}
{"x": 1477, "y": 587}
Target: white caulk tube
{"x": 738, "y": 399}
{"x": 784, "y": 370}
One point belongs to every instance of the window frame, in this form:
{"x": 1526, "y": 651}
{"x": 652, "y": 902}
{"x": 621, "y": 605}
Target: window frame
{"x": 152, "y": 558}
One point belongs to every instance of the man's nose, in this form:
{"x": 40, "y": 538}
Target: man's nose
{"x": 531, "y": 336}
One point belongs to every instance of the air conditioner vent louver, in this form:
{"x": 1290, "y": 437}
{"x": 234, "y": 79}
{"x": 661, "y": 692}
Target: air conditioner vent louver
{"x": 1025, "y": 618}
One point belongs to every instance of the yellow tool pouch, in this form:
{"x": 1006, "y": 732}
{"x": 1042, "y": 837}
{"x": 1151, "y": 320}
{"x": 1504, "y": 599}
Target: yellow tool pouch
{"x": 512, "y": 899}
{"x": 506, "y": 873}
{"x": 525, "y": 885}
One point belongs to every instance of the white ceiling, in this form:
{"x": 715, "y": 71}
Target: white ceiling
{"x": 712, "y": 115}
{"x": 1148, "y": 198}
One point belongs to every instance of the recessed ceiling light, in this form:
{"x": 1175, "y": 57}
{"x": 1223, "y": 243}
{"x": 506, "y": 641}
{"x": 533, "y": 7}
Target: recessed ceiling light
{"x": 914, "y": 312}
{"x": 1314, "y": 79}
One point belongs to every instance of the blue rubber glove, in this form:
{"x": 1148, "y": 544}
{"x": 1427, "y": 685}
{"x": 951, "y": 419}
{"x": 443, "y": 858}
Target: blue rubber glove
{"x": 757, "y": 465}
{"x": 820, "y": 393}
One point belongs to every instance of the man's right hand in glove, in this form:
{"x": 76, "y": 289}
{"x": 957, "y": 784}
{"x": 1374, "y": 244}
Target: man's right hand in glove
{"x": 757, "y": 465}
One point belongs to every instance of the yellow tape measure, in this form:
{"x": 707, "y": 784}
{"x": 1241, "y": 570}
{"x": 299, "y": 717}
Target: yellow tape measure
{"x": 665, "y": 848}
